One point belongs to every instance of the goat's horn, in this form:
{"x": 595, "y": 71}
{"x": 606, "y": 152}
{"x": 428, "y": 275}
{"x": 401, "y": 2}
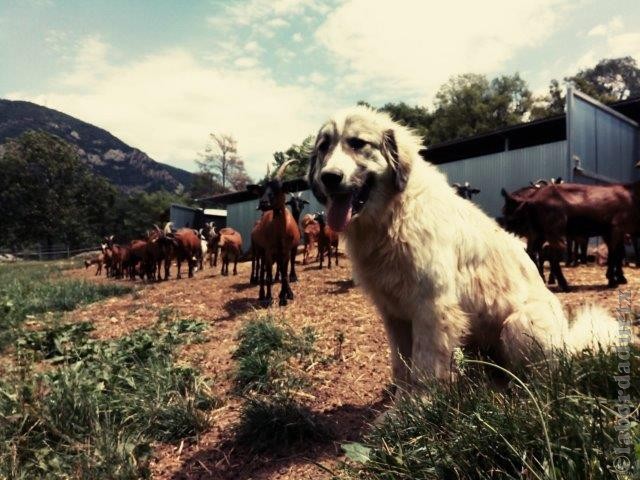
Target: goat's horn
{"x": 280, "y": 172}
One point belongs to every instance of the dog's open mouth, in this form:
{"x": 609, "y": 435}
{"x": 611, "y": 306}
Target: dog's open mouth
{"x": 342, "y": 206}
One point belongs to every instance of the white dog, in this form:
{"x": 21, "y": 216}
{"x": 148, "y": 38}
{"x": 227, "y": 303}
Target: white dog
{"x": 440, "y": 271}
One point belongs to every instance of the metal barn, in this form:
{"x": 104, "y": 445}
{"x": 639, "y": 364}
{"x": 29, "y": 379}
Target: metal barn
{"x": 591, "y": 143}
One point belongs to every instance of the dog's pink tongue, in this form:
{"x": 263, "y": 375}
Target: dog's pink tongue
{"x": 339, "y": 213}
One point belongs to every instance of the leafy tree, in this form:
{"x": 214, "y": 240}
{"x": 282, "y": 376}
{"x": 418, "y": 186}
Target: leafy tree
{"x": 416, "y": 117}
{"x": 222, "y": 163}
{"x": 204, "y": 185}
{"x": 611, "y": 80}
{"x": 48, "y": 195}
{"x": 300, "y": 153}
{"x": 470, "y": 104}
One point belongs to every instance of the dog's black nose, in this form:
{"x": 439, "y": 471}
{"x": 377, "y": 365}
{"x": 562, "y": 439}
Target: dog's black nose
{"x": 331, "y": 179}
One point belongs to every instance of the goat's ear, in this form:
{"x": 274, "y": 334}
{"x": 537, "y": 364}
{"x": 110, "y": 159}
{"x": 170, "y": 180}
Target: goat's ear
{"x": 400, "y": 165}
{"x": 305, "y": 202}
{"x": 475, "y": 191}
{"x": 504, "y": 193}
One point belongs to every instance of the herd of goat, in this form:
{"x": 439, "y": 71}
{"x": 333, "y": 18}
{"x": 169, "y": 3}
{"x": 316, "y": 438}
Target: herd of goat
{"x": 552, "y": 216}
{"x": 557, "y": 219}
{"x": 275, "y": 238}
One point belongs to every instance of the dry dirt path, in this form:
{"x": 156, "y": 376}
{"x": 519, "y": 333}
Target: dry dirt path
{"x": 346, "y": 393}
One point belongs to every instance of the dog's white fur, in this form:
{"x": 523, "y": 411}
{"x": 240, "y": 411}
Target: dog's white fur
{"x": 440, "y": 271}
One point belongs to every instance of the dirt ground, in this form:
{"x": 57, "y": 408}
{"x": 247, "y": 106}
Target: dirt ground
{"x": 346, "y": 394}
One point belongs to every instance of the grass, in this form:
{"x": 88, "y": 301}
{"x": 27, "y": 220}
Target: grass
{"x": 272, "y": 360}
{"x": 33, "y": 288}
{"x": 472, "y": 430}
{"x": 266, "y": 350}
{"x": 96, "y": 415}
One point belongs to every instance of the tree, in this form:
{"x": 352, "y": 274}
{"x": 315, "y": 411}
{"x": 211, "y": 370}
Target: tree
{"x": 611, "y": 80}
{"x": 221, "y": 161}
{"x": 300, "y": 153}
{"x": 48, "y": 195}
{"x": 470, "y": 104}
{"x": 416, "y": 117}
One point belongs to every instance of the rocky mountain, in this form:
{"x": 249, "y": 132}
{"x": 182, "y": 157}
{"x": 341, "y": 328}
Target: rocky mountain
{"x": 126, "y": 167}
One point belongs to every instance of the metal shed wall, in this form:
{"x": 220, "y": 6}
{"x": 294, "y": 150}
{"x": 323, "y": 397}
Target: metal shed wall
{"x": 243, "y": 215}
{"x": 182, "y": 216}
{"x": 603, "y": 140}
{"x": 509, "y": 170}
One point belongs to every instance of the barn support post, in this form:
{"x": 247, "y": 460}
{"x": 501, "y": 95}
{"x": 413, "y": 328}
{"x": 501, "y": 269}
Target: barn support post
{"x": 569, "y": 111}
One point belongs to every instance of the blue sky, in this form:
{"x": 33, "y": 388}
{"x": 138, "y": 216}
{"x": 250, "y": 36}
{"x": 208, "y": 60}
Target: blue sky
{"x": 162, "y": 74}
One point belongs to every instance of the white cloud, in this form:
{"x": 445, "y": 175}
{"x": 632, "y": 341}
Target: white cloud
{"x": 246, "y": 62}
{"x": 166, "y": 105}
{"x": 415, "y": 46}
{"x": 297, "y": 37}
{"x": 613, "y": 25}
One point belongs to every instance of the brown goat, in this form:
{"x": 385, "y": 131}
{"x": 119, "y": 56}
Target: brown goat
{"x": 97, "y": 260}
{"x": 310, "y": 233}
{"x": 327, "y": 240}
{"x": 186, "y": 244}
{"x": 230, "y": 244}
{"x": 572, "y": 210}
{"x": 276, "y": 235}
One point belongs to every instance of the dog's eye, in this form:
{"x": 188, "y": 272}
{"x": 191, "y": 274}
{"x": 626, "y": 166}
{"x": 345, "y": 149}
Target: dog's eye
{"x": 356, "y": 143}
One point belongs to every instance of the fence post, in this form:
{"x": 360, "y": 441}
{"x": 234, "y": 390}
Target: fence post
{"x": 39, "y": 252}
{"x": 68, "y": 252}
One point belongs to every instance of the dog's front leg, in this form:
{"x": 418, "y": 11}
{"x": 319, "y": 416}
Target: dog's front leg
{"x": 436, "y": 332}
{"x": 400, "y": 345}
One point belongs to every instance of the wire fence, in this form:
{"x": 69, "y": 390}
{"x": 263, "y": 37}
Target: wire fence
{"x": 42, "y": 254}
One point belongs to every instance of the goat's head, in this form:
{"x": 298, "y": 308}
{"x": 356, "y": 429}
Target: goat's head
{"x": 319, "y": 217}
{"x": 297, "y": 203}
{"x": 465, "y": 190}
{"x": 272, "y": 192}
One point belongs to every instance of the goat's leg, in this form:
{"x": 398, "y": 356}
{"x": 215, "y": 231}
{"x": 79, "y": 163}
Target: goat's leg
{"x": 336, "y": 255}
{"x": 179, "y": 266}
{"x": 268, "y": 300}
{"x": 191, "y": 262}
{"x": 235, "y": 264}
{"x": 321, "y": 254}
{"x": 292, "y": 276}
{"x": 619, "y": 261}
{"x": 555, "y": 254}
{"x": 285, "y": 289}
{"x": 261, "y": 295}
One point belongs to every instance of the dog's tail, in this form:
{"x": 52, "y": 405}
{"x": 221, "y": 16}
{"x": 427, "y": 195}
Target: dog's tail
{"x": 593, "y": 328}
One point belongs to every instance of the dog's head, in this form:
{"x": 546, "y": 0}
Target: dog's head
{"x": 359, "y": 155}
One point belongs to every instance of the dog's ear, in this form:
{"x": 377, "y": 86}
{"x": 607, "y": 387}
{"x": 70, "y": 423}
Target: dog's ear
{"x": 311, "y": 174}
{"x": 399, "y": 165}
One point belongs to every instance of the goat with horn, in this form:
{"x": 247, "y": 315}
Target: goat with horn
{"x": 276, "y": 236}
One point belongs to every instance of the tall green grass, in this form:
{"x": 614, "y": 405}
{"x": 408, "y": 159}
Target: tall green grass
{"x": 33, "y": 288}
{"x": 96, "y": 415}
{"x": 272, "y": 360}
{"x": 471, "y": 429}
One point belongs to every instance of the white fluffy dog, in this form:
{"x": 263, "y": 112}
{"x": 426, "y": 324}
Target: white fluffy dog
{"x": 440, "y": 271}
